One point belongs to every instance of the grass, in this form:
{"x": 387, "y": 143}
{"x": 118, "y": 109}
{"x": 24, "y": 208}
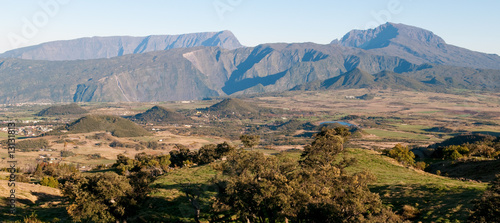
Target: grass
{"x": 439, "y": 199}
{"x": 168, "y": 202}
{"x": 396, "y": 135}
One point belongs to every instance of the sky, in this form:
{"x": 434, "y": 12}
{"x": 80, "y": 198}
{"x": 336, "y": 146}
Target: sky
{"x": 470, "y": 24}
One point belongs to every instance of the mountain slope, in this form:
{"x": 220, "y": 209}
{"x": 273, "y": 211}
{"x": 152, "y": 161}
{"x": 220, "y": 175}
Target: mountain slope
{"x": 358, "y": 78}
{"x": 416, "y": 45}
{"x": 107, "y": 47}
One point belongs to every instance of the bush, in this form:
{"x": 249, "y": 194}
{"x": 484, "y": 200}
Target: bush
{"x": 402, "y": 154}
{"x": 94, "y": 156}
{"x": 67, "y": 153}
{"x": 32, "y": 145}
{"x": 454, "y": 152}
{"x": 421, "y": 165}
{"x": 49, "y": 182}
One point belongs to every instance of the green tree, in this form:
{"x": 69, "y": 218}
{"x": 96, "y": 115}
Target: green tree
{"x": 487, "y": 208}
{"x": 182, "y": 154}
{"x": 402, "y": 154}
{"x": 326, "y": 146}
{"x": 207, "y": 154}
{"x": 454, "y": 152}
{"x": 49, "y": 182}
{"x": 103, "y": 197}
{"x": 249, "y": 141}
{"x": 258, "y": 188}
{"x": 325, "y": 192}
{"x": 253, "y": 188}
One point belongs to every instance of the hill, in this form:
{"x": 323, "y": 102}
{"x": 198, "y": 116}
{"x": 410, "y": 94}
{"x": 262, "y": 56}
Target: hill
{"x": 432, "y": 196}
{"x": 70, "y": 109}
{"x": 233, "y": 107}
{"x": 416, "y": 45}
{"x": 158, "y": 114}
{"x": 107, "y": 47}
{"x": 117, "y": 126}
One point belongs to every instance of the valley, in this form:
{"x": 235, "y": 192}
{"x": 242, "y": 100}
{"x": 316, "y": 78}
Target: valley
{"x": 285, "y": 122}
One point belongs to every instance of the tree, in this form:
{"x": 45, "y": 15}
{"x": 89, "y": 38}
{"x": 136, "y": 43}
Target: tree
{"x": 211, "y": 152}
{"x": 103, "y": 197}
{"x": 253, "y": 188}
{"x": 49, "y": 182}
{"x": 181, "y": 155}
{"x": 326, "y": 146}
{"x": 223, "y": 149}
{"x": 454, "y": 152}
{"x": 249, "y": 141}
{"x": 402, "y": 154}
{"x": 487, "y": 208}
{"x": 258, "y": 188}
{"x": 325, "y": 192}
{"x": 207, "y": 154}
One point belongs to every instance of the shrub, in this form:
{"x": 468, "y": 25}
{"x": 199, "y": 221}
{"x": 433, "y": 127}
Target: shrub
{"x": 402, "y": 154}
{"x": 49, "y": 182}
{"x": 66, "y": 153}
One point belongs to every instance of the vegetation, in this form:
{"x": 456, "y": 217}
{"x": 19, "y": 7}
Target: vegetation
{"x": 257, "y": 188}
{"x": 402, "y": 154}
{"x": 487, "y": 208}
{"x": 32, "y": 145}
{"x": 103, "y": 197}
{"x": 249, "y": 141}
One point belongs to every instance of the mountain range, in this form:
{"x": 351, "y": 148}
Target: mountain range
{"x": 196, "y": 66}
{"x": 107, "y": 47}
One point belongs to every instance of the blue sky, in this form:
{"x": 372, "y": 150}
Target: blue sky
{"x": 470, "y": 24}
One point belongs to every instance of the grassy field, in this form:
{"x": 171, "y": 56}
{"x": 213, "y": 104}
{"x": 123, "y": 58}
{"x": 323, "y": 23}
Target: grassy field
{"x": 384, "y": 134}
{"x": 437, "y": 198}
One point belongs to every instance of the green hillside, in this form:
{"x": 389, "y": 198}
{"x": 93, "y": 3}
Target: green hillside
{"x": 118, "y": 126}
{"x": 70, "y": 109}
{"x": 233, "y": 107}
{"x": 435, "y": 198}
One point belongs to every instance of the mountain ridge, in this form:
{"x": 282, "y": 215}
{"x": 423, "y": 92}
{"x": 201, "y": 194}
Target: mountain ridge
{"x": 98, "y": 47}
{"x": 416, "y": 45}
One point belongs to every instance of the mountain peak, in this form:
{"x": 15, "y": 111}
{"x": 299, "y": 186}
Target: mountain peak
{"x": 385, "y": 34}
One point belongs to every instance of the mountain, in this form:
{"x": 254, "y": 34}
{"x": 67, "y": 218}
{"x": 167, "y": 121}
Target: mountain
{"x": 417, "y": 46}
{"x": 107, "y": 47}
{"x": 118, "y": 126}
{"x": 184, "y": 73}
{"x": 432, "y": 78}
{"x": 158, "y": 114}
{"x": 71, "y": 109}
{"x": 193, "y": 73}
